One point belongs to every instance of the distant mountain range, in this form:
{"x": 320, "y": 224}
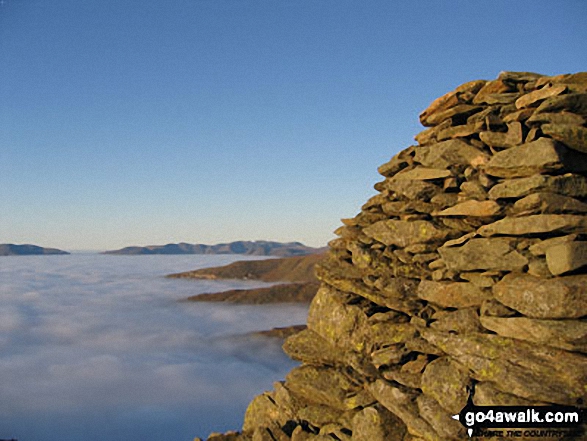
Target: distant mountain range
{"x": 9, "y": 249}
{"x": 248, "y": 248}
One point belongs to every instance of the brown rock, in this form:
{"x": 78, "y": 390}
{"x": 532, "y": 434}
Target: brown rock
{"x": 422, "y": 174}
{"x": 483, "y": 254}
{"x": 447, "y": 383}
{"x": 458, "y": 113}
{"x": 439, "y": 105}
{"x": 448, "y": 153}
{"x": 575, "y": 103}
{"x": 461, "y": 131}
{"x": 404, "y": 233}
{"x": 487, "y": 395}
{"x": 535, "y": 96}
{"x": 568, "y": 184}
{"x": 561, "y": 297}
{"x": 461, "y": 321}
{"x": 451, "y": 294}
{"x": 321, "y": 385}
{"x": 542, "y": 155}
{"x": 564, "y": 334}
{"x": 539, "y": 248}
{"x": 511, "y": 138}
{"x": 572, "y": 136}
{"x": 472, "y": 208}
{"x": 519, "y": 77}
{"x": 549, "y": 203}
{"x": 566, "y": 257}
{"x": 565, "y": 118}
{"x": 520, "y": 115}
{"x": 377, "y": 424}
{"x": 491, "y": 87}
{"x": 413, "y": 190}
{"x": 402, "y": 404}
{"x": 440, "y": 419}
{"x": 535, "y": 224}
{"x": 517, "y": 367}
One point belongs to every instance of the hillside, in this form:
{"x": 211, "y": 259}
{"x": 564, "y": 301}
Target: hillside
{"x": 289, "y": 269}
{"x": 8, "y": 249}
{"x": 247, "y": 248}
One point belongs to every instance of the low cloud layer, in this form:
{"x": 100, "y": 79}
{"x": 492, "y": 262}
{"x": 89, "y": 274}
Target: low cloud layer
{"x": 99, "y": 345}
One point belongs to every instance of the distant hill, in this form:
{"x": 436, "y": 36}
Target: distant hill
{"x": 290, "y": 269}
{"x": 9, "y": 249}
{"x": 247, "y": 248}
{"x": 298, "y": 273}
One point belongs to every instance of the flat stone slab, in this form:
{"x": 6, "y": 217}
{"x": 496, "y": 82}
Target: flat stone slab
{"x": 483, "y": 254}
{"x": 472, "y": 208}
{"x": 536, "y": 224}
{"x": 565, "y": 334}
{"x": 404, "y": 233}
{"x": 447, "y": 153}
{"x": 560, "y": 297}
{"x": 451, "y": 294}
{"x": 574, "y": 137}
{"x": 568, "y": 184}
{"x": 529, "y": 159}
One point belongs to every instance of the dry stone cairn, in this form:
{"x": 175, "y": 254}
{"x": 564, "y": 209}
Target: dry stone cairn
{"x": 465, "y": 277}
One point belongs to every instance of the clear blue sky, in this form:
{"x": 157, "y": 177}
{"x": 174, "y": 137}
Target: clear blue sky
{"x": 148, "y": 122}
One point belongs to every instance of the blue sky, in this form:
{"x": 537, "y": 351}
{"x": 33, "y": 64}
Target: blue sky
{"x": 148, "y": 122}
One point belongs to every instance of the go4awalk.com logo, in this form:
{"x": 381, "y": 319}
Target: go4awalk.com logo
{"x": 522, "y": 421}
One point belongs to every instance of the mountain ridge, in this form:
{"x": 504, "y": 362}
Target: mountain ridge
{"x": 10, "y": 249}
{"x": 247, "y": 248}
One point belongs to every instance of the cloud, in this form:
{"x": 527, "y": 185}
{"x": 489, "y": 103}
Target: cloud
{"x": 92, "y": 336}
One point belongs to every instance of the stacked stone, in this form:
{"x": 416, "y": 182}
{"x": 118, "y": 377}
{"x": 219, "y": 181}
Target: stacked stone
{"x": 465, "y": 277}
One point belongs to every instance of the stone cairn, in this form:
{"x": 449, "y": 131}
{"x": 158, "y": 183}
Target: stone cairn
{"x": 464, "y": 278}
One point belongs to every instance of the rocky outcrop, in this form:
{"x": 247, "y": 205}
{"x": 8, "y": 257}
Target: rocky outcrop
{"x": 247, "y": 248}
{"x": 462, "y": 279}
{"x": 8, "y": 249}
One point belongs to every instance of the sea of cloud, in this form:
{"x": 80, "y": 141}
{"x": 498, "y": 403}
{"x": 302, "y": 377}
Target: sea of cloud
{"x": 99, "y": 347}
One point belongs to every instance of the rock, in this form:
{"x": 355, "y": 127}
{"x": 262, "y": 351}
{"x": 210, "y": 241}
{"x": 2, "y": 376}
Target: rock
{"x": 439, "y": 419}
{"x": 575, "y": 103}
{"x": 447, "y": 153}
{"x": 564, "y": 334}
{"x": 539, "y": 248}
{"x": 549, "y": 203}
{"x": 405, "y": 233}
{"x": 423, "y": 174}
{"x": 487, "y": 395}
{"x": 562, "y": 118}
{"x": 471, "y": 208}
{"x": 511, "y": 138}
{"x": 447, "y": 383}
{"x": 536, "y": 224}
{"x": 402, "y": 404}
{"x": 568, "y": 184}
{"x": 574, "y": 137}
{"x": 540, "y": 156}
{"x": 413, "y": 189}
{"x": 538, "y": 95}
{"x": 490, "y": 88}
{"x": 321, "y": 385}
{"x": 561, "y": 297}
{"x": 377, "y": 424}
{"x": 451, "y": 294}
{"x": 483, "y": 254}
{"x": 517, "y": 367}
{"x": 461, "y": 321}
{"x": 566, "y": 257}
{"x": 458, "y": 113}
